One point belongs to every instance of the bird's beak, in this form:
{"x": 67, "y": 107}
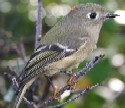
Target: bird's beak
{"x": 111, "y": 15}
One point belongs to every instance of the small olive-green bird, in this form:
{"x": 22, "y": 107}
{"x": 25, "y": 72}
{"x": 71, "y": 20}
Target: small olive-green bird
{"x": 68, "y": 43}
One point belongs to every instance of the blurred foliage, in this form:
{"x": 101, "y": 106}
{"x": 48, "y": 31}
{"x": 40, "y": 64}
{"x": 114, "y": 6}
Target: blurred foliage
{"x": 17, "y": 22}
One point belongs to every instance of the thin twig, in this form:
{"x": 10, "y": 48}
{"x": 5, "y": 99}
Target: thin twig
{"x": 38, "y": 23}
{"x": 76, "y": 97}
{"x": 88, "y": 67}
{"x": 30, "y": 104}
{"x": 22, "y": 50}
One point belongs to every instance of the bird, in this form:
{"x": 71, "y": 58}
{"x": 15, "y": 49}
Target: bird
{"x": 65, "y": 45}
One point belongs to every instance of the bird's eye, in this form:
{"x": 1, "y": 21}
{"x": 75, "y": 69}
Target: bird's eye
{"x": 92, "y": 15}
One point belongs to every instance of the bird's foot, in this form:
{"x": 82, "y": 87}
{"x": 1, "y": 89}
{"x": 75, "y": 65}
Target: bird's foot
{"x": 72, "y": 82}
{"x": 56, "y": 91}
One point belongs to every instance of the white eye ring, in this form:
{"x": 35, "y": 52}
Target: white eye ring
{"x": 93, "y": 15}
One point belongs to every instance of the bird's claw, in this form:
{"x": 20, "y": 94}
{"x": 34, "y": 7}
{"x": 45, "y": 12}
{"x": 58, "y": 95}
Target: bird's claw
{"x": 56, "y": 91}
{"x": 72, "y": 82}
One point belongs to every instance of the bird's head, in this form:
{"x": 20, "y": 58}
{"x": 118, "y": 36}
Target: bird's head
{"x": 89, "y": 18}
{"x": 90, "y": 14}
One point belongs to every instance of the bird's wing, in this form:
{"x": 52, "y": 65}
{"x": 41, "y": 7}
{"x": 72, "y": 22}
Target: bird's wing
{"x": 43, "y": 56}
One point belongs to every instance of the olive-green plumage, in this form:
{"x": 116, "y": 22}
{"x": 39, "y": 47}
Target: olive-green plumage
{"x": 65, "y": 45}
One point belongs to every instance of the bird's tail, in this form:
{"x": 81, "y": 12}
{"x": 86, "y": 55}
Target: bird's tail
{"x": 22, "y": 93}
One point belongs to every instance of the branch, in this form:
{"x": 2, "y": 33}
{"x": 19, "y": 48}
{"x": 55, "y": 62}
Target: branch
{"x": 22, "y": 50}
{"x": 38, "y": 24}
{"x": 78, "y": 75}
{"x": 82, "y": 92}
{"x": 88, "y": 66}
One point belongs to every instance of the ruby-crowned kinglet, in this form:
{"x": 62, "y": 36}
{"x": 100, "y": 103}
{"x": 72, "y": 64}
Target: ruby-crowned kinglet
{"x": 65, "y": 45}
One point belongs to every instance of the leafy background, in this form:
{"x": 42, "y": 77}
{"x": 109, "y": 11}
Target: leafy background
{"x": 17, "y": 25}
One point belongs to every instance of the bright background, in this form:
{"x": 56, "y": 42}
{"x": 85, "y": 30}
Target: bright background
{"x": 18, "y": 23}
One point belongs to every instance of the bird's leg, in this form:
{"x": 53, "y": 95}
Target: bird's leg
{"x": 55, "y": 88}
{"x": 56, "y": 91}
{"x": 71, "y": 81}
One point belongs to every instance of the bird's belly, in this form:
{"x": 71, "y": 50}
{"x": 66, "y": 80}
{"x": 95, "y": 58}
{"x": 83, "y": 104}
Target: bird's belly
{"x": 69, "y": 62}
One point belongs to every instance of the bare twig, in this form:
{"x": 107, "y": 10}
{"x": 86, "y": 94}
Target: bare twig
{"x": 51, "y": 99}
{"x": 29, "y": 104}
{"x": 88, "y": 66}
{"x": 39, "y": 23}
{"x": 22, "y": 50}
{"x": 76, "y": 97}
